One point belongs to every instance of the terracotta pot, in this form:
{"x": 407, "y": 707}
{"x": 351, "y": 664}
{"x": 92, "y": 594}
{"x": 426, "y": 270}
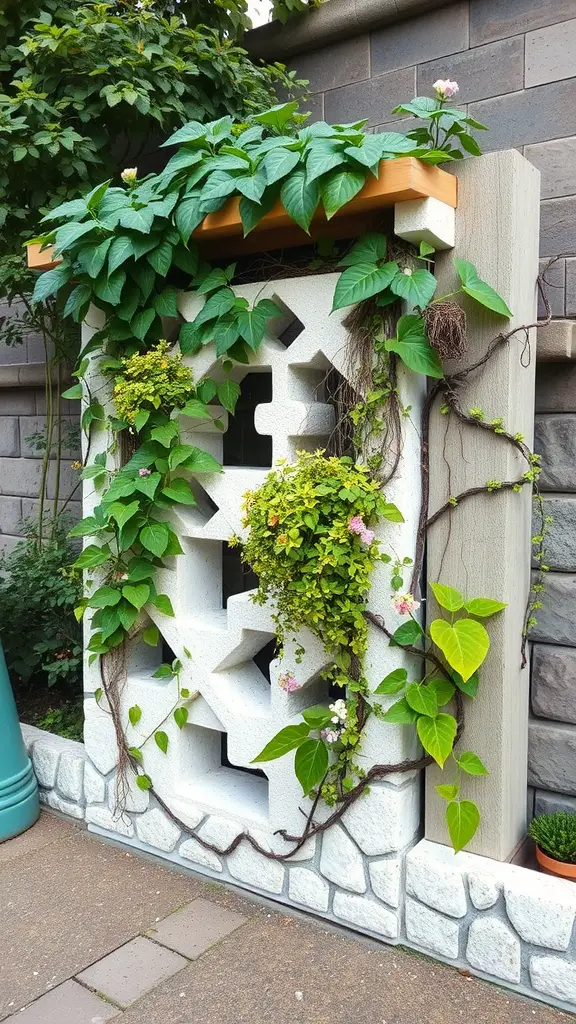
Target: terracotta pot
{"x": 555, "y": 867}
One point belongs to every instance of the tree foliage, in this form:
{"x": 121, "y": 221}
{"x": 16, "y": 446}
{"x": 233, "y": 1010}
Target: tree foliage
{"x": 87, "y": 87}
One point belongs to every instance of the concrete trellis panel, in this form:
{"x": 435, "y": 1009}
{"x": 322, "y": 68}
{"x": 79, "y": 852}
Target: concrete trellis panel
{"x": 217, "y": 645}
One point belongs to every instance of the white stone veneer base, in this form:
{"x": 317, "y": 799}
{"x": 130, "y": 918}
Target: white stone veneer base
{"x": 507, "y": 924}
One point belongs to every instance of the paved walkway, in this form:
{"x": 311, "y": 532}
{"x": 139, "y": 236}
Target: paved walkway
{"x": 90, "y": 932}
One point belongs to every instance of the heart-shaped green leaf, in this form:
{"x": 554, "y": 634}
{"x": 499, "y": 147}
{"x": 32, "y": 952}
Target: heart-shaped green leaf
{"x": 136, "y": 594}
{"x": 464, "y": 645}
{"x": 317, "y": 716}
{"x": 413, "y": 347}
{"x": 161, "y": 740}
{"x": 300, "y": 198}
{"x": 151, "y": 636}
{"x": 179, "y": 490}
{"x": 370, "y": 248}
{"x": 471, "y": 763}
{"x": 407, "y": 634}
{"x": 415, "y": 286}
{"x": 393, "y": 682}
{"x": 361, "y": 281}
{"x": 339, "y": 188}
{"x": 449, "y": 791}
{"x": 154, "y": 537}
{"x": 483, "y": 607}
{"x": 401, "y": 713}
{"x": 104, "y": 597}
{"x": 134, "y": 714}
{"x": 181, "y": 717}
{"x": 479, "y": 290}
{"x": 437, "y": 736}
{"x": 443, "y": 689}
{"x": 127, "y": 615}
{"x": 148, "y": 484}
{"x": 311, "y": 764}
{"x": 196, "y": 409}
{"x": 470, "y": 687}
{"x": 284, "y": 741}
{"x": 462, "y": 818}
{"x": 422, "y": 699}
{"x": 92, "y": 556}
{"x": 163, "y": 603}
{"x": 447, "y": 597}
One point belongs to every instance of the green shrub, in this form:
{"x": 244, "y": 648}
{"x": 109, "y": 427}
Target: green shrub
{"x": 38, "y": 593}
{"x": 555, "y": 834}
{"x": 67, "y": 721}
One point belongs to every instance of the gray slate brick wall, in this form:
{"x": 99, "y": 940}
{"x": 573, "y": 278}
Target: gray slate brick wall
{"x": 515, "y": 62}
{"x": 552, "y": 730}
{"x": 23, "y": 415}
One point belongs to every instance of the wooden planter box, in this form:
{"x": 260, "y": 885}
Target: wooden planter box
{"x": 221, "y": 234}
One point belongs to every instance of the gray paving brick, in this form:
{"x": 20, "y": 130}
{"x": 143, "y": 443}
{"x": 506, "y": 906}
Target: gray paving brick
{"x": 561, "y": 538}
{"x": 548, "y": 803}
{"x": 556, "y": 387}
{"x": 67, "y": 408}
{"x": 73, "y": 509}
{"x": 10, "y": 515}
{"x": 35, "y": 350}
{"x": 198, "y": 926}
{"x": 557, "y": 226}
{"x": 374, "y": 99}
{"x": 7, "y": 543}
{"x": 551, "y": 53}
{"x": 22, "y": 478}
{"x": 482, "y": 72}
{"x": 17, "y": 402}
{"x": 419, "y": 39}
{"x": 552, "y": 756}
{"x": 554, "y": 287}
{"x": 555, "y": 441}
{"x": 67, "y": 1004}
{"x": 315, "y": 106}
{"x": 534, "y": 115}
{"x": 335, "y": 65}
{"x": 556, "y": 161}
{"x": 131, "y": 971}
{"x": 553, "y": 684}
{"x": 400, "y": 124}
{"x": 9, "y": 436}
{"x": 571, "y": 287}
{"x": 12, "y": 354}
{"x": 36, "y": 425}
{"x": 495, "y": 19}
{"x": 556, "y": 621}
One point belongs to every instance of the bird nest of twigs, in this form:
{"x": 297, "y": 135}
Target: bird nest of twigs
{"x": 446, "y": 329}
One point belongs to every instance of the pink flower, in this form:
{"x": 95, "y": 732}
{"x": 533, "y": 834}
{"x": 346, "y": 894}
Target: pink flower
{"x": 357, "y": 525}
{"x": 288, "y": 682}
{"x": 445, "y": 89}
{"x": 330, "y": 735}
{"x": 144, "y": 472}
{"x": 404, "y": 604}
{"x": 367, "y": 536}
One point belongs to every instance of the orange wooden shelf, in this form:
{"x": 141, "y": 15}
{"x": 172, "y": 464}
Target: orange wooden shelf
{"x": 221, "y": 233}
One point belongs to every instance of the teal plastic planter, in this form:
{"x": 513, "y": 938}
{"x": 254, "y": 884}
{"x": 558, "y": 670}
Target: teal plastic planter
{"x": 19, "y": 805}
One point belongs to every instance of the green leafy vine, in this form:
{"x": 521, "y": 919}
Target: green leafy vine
{"x": 128, "y": 250}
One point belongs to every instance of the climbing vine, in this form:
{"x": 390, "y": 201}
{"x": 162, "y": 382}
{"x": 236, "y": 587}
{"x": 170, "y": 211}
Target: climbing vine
{"x": 128, "y": 250}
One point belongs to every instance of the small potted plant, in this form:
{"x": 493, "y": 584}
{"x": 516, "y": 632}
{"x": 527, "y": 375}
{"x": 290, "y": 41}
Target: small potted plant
{"x": 555, "y": 838}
